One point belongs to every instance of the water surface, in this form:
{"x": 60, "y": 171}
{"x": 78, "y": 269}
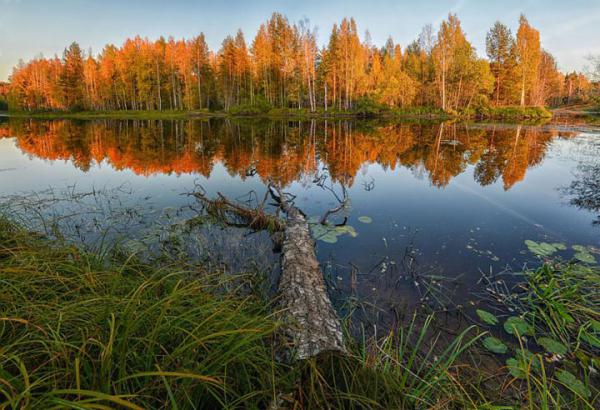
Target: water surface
{"x": 447, "y": 199}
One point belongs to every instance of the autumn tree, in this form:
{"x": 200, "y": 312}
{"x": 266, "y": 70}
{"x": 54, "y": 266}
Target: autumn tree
{"x": 72, "y": 79}
{"x": 529, "y": 56}
{"x": 199, "y": 53}
{"x": 391, "y": 85}
{"x": 283, "y": 67}
{"x": 460, "y": 75}
{"x": 501, "y": 51}
{"x": 307, "y": 63}
{"x": 576, "y": 89}
{"x": 418, "y": 64}
{"x": 549, "y": 83}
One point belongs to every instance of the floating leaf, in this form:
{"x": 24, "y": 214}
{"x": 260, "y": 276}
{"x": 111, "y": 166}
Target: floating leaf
{"x": 585, "y": 257}
{"x": 520, "y": 365}
{"x": 487, "y": 317}
{"x": 552, "y": 346}
{"x": 330, "y": 233}
{"x": 514, "y": 325}
{"x": 494, "y": 345}
{"x": 560, "y": 246}
{"x": 329, "y": 238}
{"x": 365, "y": 219}
{"x": 573, "y": 383}
{"x": 514, "y": 368}
{"x": 540, "y": 249}
{"x": 346, "y": 229}
{"x": 529, "y": 360}
{"x": 579, "y": 248}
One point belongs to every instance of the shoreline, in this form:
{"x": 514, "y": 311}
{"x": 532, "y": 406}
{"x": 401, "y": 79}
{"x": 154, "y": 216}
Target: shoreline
{"x": 501, "y": 113}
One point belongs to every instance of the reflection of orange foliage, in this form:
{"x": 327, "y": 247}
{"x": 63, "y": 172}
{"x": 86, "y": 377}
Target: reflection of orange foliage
{"x": 4, "y": 131}
{"x": 286, "y": 152}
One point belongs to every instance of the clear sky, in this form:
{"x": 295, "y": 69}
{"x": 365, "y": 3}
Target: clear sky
{"x": 570, "y": 29}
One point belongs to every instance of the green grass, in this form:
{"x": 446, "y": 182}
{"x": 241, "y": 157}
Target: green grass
{"x": 511, "y": 113}
{"x": 79, "y": 330}
{"x": 553, "y": 349}
{"x": 362, "y": 110}
{"x": 92, "y": 330}
{"x": 125, "y": 115}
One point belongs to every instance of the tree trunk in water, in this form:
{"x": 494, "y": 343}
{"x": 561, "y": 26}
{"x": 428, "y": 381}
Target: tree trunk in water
{"x": 310, "y": 318}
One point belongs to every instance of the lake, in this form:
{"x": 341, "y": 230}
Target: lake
{"x": 427, "y": 200}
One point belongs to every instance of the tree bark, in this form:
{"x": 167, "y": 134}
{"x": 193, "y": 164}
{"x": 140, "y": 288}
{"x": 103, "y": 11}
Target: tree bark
{"x": 310, "y": 319}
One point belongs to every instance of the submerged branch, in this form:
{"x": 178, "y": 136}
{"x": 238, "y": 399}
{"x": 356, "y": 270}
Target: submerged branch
{"x": 237, "y": 215}
{"x": 310, "y": 320}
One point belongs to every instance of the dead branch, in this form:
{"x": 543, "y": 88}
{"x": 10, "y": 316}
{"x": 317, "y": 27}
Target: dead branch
{"x": 309, "y": 317}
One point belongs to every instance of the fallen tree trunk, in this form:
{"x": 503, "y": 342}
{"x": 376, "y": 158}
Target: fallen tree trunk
{"x": 310, "y": 320}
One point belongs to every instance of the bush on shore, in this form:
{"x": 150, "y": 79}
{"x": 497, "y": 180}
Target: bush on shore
{"x": 504, "y": 113}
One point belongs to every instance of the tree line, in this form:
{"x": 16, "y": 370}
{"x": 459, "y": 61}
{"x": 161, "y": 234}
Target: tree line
{"x": 283, "y": 67}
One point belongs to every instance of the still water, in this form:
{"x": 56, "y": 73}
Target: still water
{"x": 450, "y": 200}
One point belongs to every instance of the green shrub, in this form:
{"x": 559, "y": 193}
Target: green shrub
{"x": 259, "y": 106}
{"x": 368, "y": 107}
{"x": 511, "y": 112}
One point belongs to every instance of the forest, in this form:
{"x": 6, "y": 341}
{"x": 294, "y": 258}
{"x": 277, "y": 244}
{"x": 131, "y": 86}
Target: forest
{"x": 283, "y": 68}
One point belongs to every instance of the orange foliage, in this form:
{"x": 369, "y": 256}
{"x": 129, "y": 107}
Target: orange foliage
{"x": 283, "y": 67}
{"x": 285, "y": 153}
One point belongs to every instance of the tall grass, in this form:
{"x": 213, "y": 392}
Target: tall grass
{"x": 555, "y": 361}
{"x": 81, "y": 330}
{"x": 78, "y": 331}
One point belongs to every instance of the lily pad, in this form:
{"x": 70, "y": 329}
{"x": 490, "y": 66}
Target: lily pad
{"x": 515, "y": 325}
{"x": 487, "y": 317}
{"x": 514, "y": 368}
{"x": 330, "y": 233}
{"x": 365, "y": 219}
{"x": 522, "y": 363}
{"x": 494, "y": 345}
{"x": 579, "y": 248}
{"x": 346, "y": 229}
{"x": 585, "y": 257}
{"x": 552, "y": 346}
{"x": 560, "y": 246}
{"x": 573, "y": 383}
{"x": 541, "y": 249}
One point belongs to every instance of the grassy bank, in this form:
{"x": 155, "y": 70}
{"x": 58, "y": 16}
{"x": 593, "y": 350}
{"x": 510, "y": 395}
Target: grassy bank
{"x": 85, "y": 330}
{"x": 118, "y": 115}
{"x": 510, "y": 113}
{"x": 80, "y": 330}
{"x": 364, "y": 110}
{"x": 236, "y": 112}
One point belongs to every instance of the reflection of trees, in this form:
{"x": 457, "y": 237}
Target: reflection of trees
{"x": 509, "y": 154}
{"x": 287, "y": 151}
{"x": 585, "y": 189}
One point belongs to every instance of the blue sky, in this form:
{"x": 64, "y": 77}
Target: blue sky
{"x": 570, "y": 29}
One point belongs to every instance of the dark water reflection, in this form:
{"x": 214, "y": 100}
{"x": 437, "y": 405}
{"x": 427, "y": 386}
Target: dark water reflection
{"x": 445, "y": 199}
